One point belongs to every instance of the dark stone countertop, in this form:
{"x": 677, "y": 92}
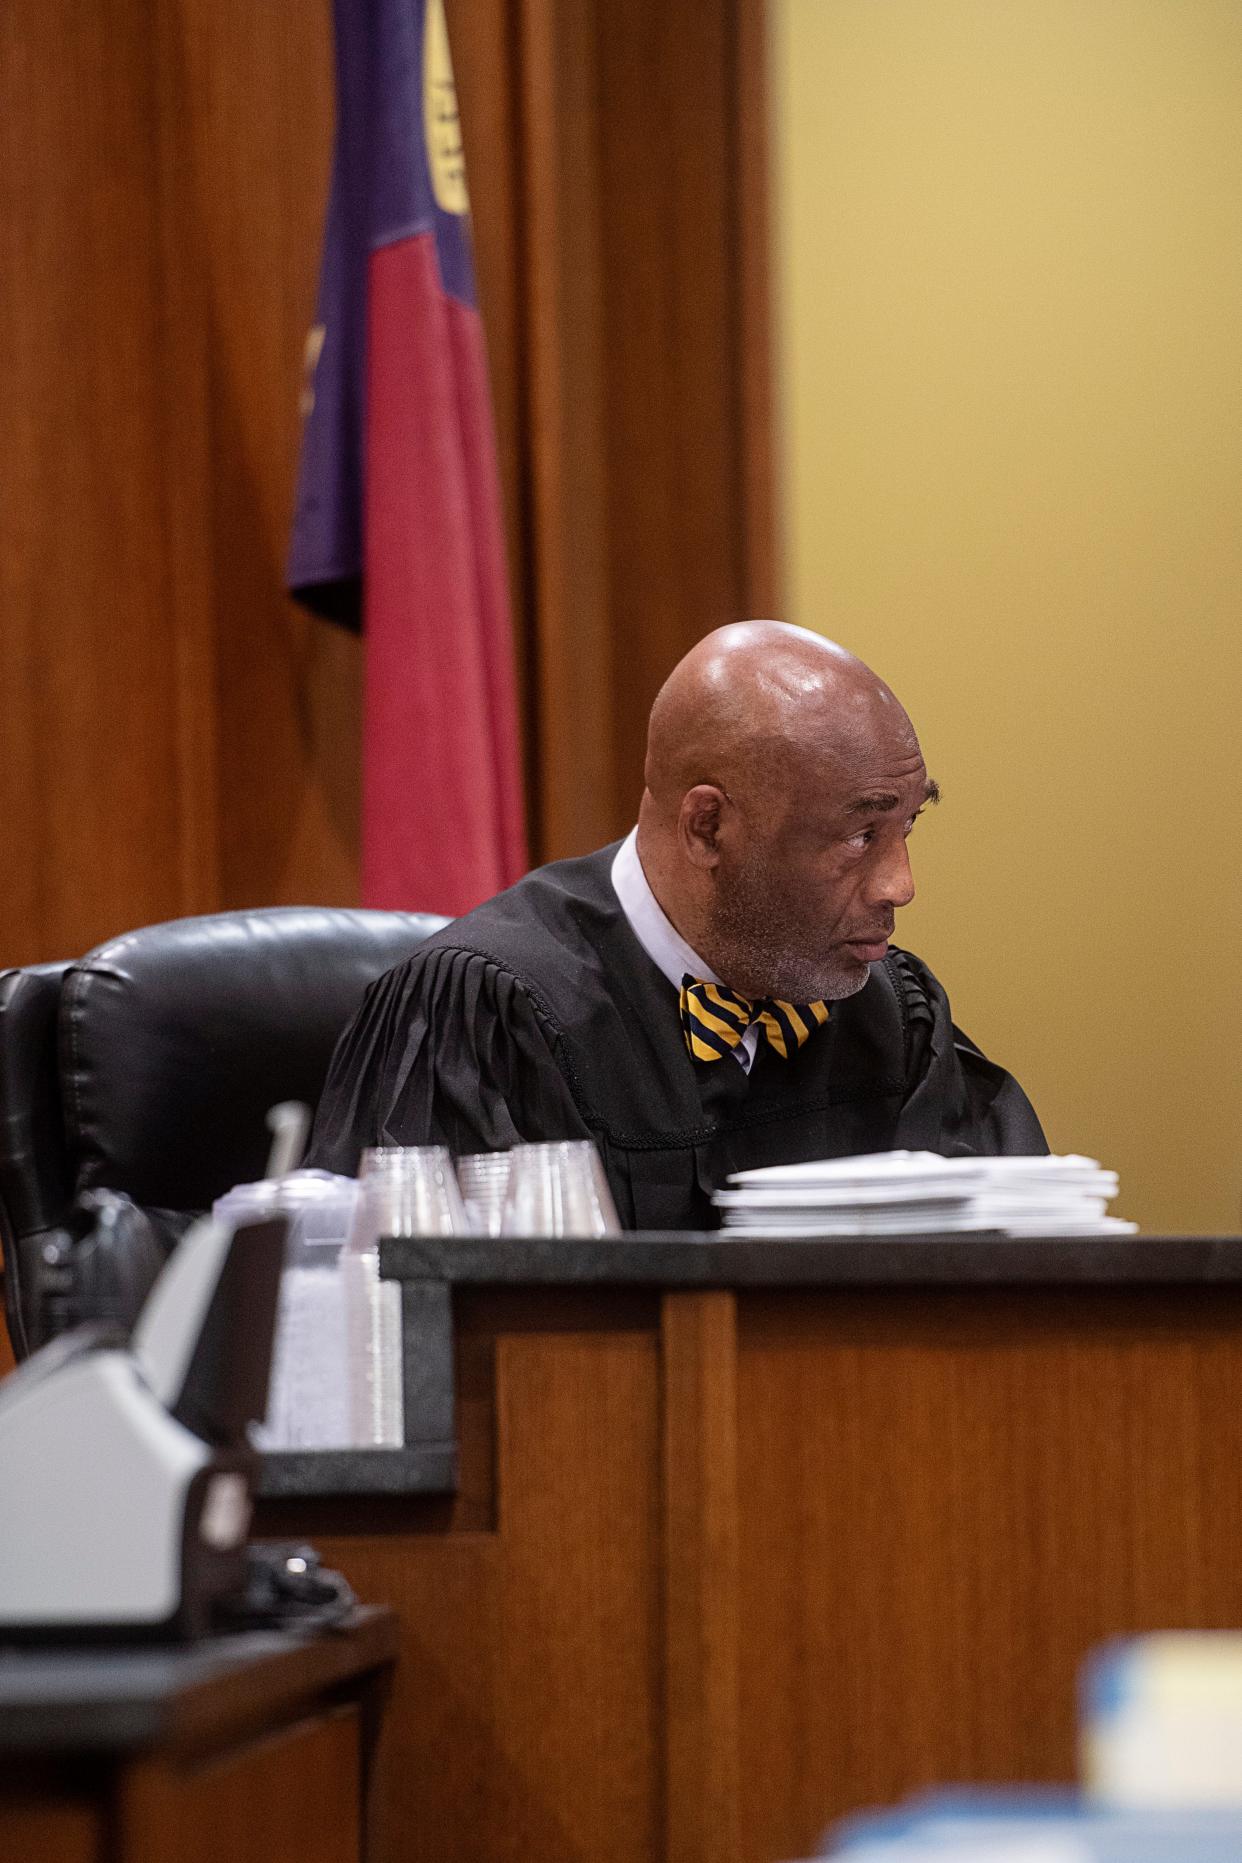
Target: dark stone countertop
{"x": 113, "y": 1699}
{"x": 686, "y": 1260}
{"x": 315, "y": 1474}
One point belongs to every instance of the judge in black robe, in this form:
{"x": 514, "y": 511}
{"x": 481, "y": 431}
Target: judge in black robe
{"x": 782, "y": 782}
{"x": 541, "y": 1016}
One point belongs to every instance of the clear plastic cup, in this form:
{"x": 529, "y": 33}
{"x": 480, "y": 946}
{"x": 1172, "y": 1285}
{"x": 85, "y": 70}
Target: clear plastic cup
{"x": 411, "y": 1190}
{"x": 484, "y": 1179}
{"x": 558, "y": 1189}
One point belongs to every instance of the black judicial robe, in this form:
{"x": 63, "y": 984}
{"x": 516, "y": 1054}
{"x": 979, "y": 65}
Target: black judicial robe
{"x": 540, "y": 1016}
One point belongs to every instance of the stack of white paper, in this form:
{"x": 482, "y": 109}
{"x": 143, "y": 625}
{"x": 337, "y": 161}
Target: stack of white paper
{"x": 919, "y": 1193}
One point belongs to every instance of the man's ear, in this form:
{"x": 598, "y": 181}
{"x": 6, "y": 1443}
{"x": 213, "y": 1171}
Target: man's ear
{"x": 698, "y": 825}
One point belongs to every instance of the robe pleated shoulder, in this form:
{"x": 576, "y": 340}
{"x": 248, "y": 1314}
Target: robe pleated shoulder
{"x": 447, "y": 1049}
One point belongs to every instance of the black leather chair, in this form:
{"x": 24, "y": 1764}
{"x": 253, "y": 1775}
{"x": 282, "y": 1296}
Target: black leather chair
{"x": 148, "y": 1065}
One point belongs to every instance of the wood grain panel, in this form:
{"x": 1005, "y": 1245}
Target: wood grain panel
{"x": 565, "y": 363}
{"x": 96, "y": 798}
{"x": 643, "y": 272}
{"x": 524, "y": 1715}
{"x": 294, "y": 1797}
{"x": 485, "y": 37}
{"x": 248, "y": 95}
{"x": 177, "y": 736}
{"x": 701, "y": 1725}
{"x": 760, "y": 492}
{"x": 946, "y": 1501}
{"x": 671, "y": 307}
{"x": 641, "y": 265}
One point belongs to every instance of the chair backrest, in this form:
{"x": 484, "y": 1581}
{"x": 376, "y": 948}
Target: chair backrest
{"x": 148, "y": 1065}
{"x": 33, "y": 1171}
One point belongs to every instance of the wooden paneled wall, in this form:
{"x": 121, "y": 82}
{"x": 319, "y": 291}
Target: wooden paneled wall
{"x": 177, "y": 736}
{"x": 647, "y": 383}
{"x": 98, "y": 785}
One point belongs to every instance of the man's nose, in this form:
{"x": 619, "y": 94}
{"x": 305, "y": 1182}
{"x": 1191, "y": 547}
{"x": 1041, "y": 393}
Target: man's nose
{"x": 892, "y": 878}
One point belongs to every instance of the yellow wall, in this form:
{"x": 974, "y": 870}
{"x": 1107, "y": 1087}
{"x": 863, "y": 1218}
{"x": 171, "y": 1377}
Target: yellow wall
{"x": 1010, "y": 310}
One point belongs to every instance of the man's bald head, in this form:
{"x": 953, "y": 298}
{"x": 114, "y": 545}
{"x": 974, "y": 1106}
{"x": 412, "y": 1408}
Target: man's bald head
{"x": 768, "y": 746}
{"x": 754, "y": 702}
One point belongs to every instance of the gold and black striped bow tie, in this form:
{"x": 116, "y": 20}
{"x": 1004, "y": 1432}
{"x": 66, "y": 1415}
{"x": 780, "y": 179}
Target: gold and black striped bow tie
{"x": 715, "y": 1019}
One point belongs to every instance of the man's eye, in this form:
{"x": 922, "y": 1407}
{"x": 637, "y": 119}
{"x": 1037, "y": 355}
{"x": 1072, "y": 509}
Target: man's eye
{"x": 862, "y": 839}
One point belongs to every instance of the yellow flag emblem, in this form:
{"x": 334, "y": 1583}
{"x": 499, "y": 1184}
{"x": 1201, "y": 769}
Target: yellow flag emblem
{"x": 441, "y": 123}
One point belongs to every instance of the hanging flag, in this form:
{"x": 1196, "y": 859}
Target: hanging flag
{"x": 398, "y": 520}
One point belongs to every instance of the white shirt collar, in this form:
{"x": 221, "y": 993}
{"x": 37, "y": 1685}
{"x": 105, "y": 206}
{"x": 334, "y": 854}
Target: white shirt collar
{"x": 659, "y": 938}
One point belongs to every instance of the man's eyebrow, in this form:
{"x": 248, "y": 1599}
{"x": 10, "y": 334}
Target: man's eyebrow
{"x": 884, "y": 801}
{"x": 873, "y": 805}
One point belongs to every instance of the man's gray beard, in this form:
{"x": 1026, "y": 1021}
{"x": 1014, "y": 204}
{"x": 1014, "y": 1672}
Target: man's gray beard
{"x": 748, "y": 943}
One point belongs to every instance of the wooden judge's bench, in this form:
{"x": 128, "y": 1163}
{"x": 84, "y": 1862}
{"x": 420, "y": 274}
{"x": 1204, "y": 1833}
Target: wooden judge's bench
{"x": 697, "y": 1544}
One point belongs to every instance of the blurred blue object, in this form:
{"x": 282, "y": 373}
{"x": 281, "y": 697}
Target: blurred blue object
{"x": 1033, "y": 1826}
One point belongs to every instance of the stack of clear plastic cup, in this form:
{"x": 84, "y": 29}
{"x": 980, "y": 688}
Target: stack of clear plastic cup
{"x": 484, "y": 1178}
{"x": 308, "y": 1393}
{"x": 558, "y": 1190}
{"x": 402, "y": 1191}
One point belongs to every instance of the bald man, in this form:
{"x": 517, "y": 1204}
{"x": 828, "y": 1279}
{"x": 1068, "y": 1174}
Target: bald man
{"x": 715, "y": 992}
